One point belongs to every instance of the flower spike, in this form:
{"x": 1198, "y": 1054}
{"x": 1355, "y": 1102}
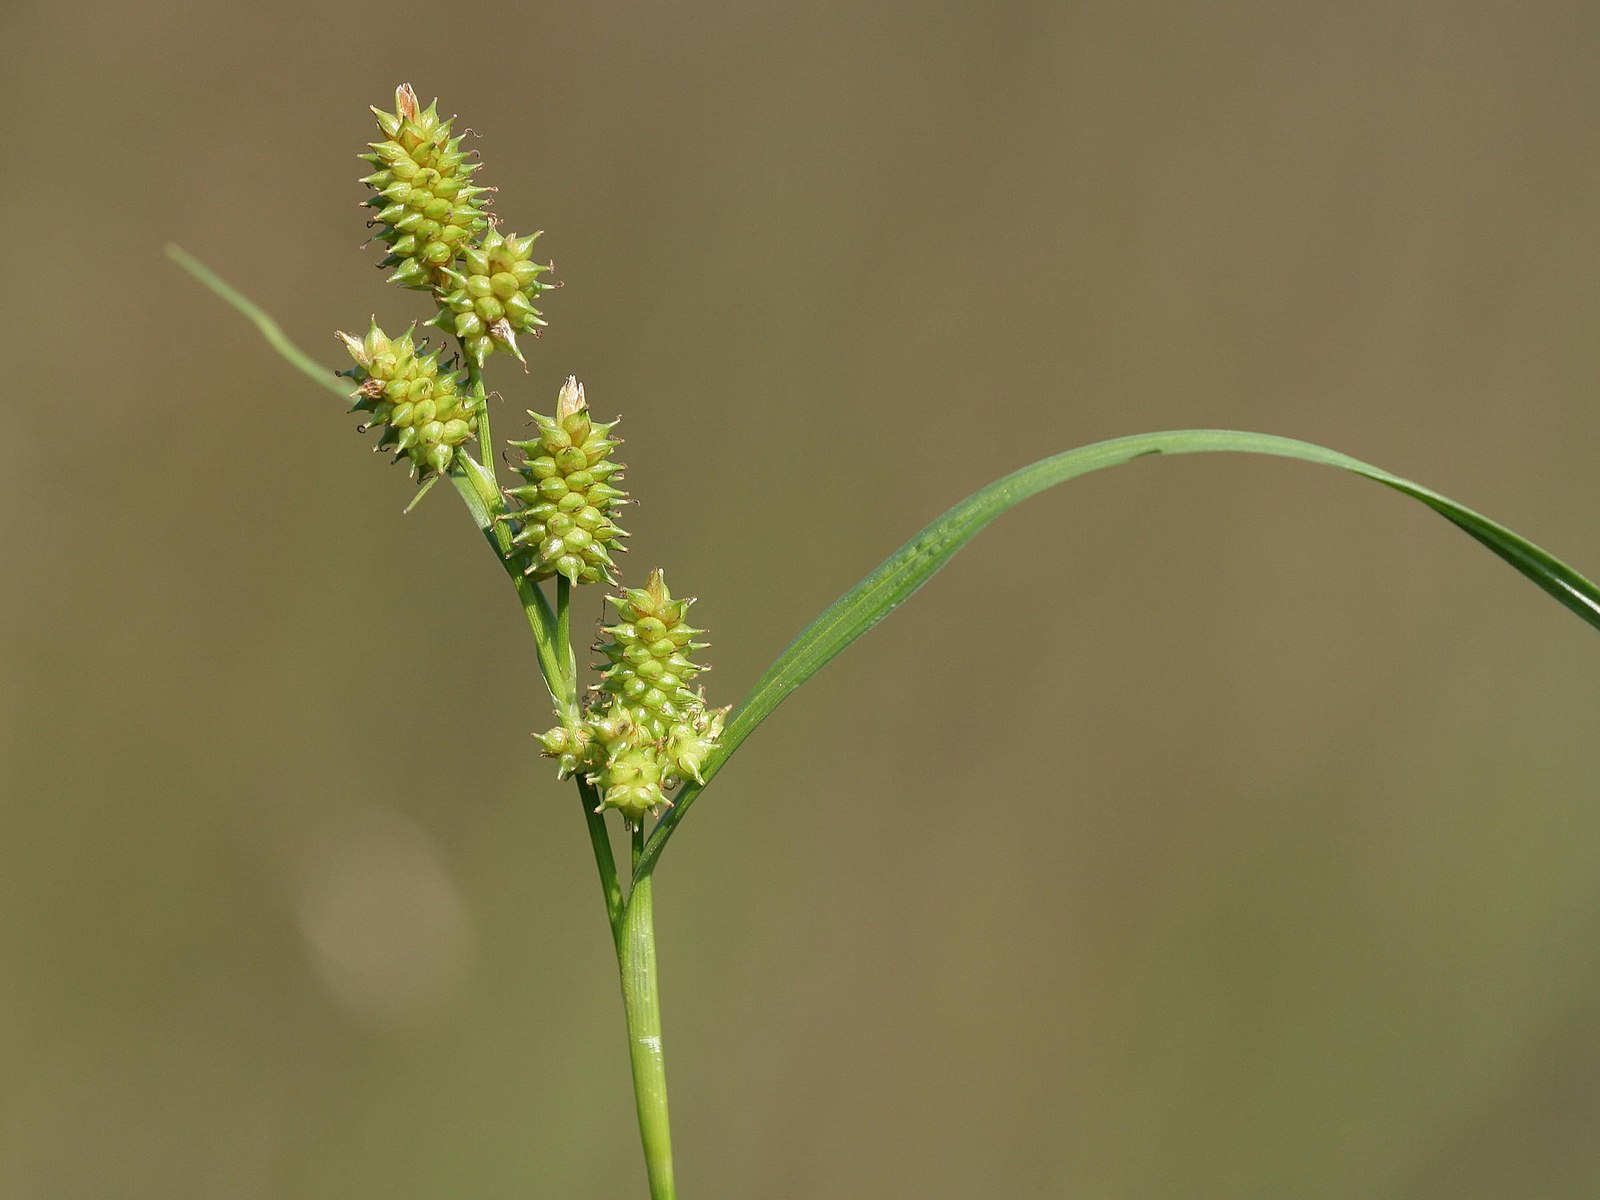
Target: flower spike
{"x": 564, "y": 526}
{"x": 489, "y": 297}
{"x": 429, "y": 210}
{"x": 647, "y": 730}
{"x": 424, "y": 414}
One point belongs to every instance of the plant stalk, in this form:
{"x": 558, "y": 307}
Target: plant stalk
{"x": 476, "y": 489}
{"x": 588, "y": 796}
{"x": 480, "y": 425}
{"x": 553, "y": 643}
{"x": 636, "y": 958}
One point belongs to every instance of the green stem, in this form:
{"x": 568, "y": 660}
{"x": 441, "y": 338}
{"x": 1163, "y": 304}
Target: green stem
{"x": 636, "y": 958}
{"x": 554, "y": 649}
{"x": 564, "y": 610}
{"x": 588, "y": 796}
{"x": 632, "y": 924}
{"x": 553, "y": 644}
{"x": 476, "y": 488}
{"x": 600, "y": 840}
{"x": 564, "y": 635}
{"x": 480, "y": 423}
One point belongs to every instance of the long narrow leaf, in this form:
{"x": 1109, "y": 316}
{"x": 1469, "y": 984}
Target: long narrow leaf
{"x": 269, "y": 328}
{"x": 908, "y": 568}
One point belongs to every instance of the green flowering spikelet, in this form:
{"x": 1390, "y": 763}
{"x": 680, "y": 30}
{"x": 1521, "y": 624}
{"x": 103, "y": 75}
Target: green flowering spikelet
{"x": 424, "y": 414}
{"x": 489, "y": 297}
{"x": 650, "y": 668}
{"x": 646, "y": 730}
{"x": 631, "y": 775}
{"x": 564, "y": 526}
{"x": 571, "y": 745}
{"x": 428, "y": 208}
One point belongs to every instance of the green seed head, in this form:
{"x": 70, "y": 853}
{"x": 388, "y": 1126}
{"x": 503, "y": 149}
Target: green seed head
{"x": 688, "y": 743}
{"x": 645, "y": 731}
{"x": 427, "y": 207}
{"x": 571, "y": 745}
{"x": 650, "y": 664}
{"x": 424, "y": 414}
{"x": 564, "y": 524}
{"x": 631, "y": 782}
{"x": 489, "y": 296}
{"x": 626, "y": 765}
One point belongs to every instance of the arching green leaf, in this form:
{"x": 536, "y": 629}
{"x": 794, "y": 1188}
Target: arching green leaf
{"x": 909, "y": 567}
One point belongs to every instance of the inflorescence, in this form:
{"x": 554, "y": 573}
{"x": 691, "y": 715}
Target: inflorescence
{"x": 644, "y": 729}
{"x": 564, "y": 524}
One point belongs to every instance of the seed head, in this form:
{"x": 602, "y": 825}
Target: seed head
{"x": 424, "y": 414}
{"x": 489, "y": 294}
{"x": 427, "y": 206}
{"x": 646, "y": 731}
{"x": 564, "y": 524}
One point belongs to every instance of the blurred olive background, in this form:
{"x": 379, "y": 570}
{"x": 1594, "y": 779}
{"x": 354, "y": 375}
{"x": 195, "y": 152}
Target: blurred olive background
{"x": 1217, "y": 827}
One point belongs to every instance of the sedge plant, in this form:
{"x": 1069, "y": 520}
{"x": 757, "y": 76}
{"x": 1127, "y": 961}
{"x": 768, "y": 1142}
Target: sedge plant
{"x": 633, "y": 732}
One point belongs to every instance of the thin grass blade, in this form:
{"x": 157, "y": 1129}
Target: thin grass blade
{"x": 269, "y": 328}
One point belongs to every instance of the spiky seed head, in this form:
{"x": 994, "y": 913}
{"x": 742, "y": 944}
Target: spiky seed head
{"x": 427, "y": 206}
{"x": 563, "y": 525}
{"x": 650, "y": 650}
{"x": 423, "y": 411}
{"x": 569, "y": 744}
{"x": 488, "y": 297}
{"x": 644, "y": 731}
{"x": 632, "y": 783}
{"x": 689, "y": 743}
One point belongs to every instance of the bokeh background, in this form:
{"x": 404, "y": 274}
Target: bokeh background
{"x": 1217, "y": 827}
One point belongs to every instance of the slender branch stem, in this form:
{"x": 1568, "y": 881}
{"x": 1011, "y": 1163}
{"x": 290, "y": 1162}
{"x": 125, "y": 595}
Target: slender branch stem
{"x": 553, "y": 664}
{"x": 476, "y": 490}
{"x": 588, "y": 796}
{"x": 480, "y": 423}
{"x": 600, "y": 839}
{"x": 564, "y": 635}
{"x": 564, "y": 610}
{"x": 636, "y": 958}
{"x": 556, "y": 663}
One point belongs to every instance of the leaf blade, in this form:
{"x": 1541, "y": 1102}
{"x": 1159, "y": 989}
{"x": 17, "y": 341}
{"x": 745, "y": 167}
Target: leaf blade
{"x": 918, "y": 560}
{"x": 268, "y": 328}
